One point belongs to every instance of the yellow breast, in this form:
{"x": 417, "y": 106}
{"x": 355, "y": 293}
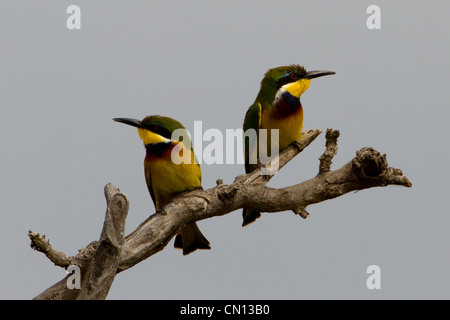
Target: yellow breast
{"x": 168, "y": 179}
{"x": 290, "y": 127}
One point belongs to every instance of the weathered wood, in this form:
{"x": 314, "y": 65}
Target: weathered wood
{"x": 103, "y": 267}
{"x": 114, "y": 254}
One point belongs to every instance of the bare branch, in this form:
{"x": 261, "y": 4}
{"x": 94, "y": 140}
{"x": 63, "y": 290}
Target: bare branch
{"x": 41, "y": 244}
{"x": 98, "y": 261}
{"x": 367, "y": 169}
{"x": 103, "y": 268}
{"x": 330, "y": 150}
{"x": 60, "y": 291}
{"x": 285, "y": 156}
{"x": 357, "y": 174}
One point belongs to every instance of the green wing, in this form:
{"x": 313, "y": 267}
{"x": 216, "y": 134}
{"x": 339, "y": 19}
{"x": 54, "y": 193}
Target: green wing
{"x": 252, "y": 121}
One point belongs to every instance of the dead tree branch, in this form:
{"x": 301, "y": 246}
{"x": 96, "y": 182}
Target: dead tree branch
{"x": 330, "y": 150}
{"x": 112, "y": 254}
{"x": 103, "y": 268}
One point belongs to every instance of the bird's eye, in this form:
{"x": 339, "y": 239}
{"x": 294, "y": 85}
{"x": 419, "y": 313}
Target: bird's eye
{"x": 154, "y": 128}
{"x": 293, "y": 76}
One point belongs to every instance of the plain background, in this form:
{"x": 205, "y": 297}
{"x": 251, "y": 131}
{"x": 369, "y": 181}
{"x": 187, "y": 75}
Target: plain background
{"x": 204, "y": 60}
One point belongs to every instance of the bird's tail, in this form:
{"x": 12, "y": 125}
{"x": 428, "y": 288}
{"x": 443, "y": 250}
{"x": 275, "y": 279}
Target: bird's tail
{"x": 190, "y": 239}
{"x": 249, "y": 216}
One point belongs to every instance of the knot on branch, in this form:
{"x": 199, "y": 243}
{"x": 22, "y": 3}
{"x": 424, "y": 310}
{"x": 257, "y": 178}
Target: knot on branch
{"x": 369, "y": 163}
{"x": 190, "y": 204}
{"x": 301, "y": 211}
{"x": 226, "y": 193}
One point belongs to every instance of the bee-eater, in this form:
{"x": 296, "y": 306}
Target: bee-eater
{"x": 277, "y": 106}
{"x": 164, "y": 177}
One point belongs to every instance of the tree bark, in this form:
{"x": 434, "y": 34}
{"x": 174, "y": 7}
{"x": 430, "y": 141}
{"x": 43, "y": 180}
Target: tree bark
{"x": 102, "y": 270}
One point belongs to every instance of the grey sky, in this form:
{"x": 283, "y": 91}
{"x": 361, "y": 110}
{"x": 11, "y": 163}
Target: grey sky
{"x": 204, "y": 60}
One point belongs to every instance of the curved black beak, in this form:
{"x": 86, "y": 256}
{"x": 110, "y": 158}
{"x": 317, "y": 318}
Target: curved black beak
{"x": 319, "y": 73}
{"x": 129, "y": 121}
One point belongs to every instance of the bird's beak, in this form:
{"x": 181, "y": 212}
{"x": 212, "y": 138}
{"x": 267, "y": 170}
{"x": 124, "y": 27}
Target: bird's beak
{"x": 129, "y": 121}
{"x": 316, "y": 74}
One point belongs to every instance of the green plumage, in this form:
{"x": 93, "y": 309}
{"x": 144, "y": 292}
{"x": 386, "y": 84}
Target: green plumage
{"x": 277, "y": 106}
{"x": 164, "y": 178}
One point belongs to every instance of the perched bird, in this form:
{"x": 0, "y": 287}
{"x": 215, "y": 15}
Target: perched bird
{"x": 164, "y": 177}
{"x": 277, "y": 106}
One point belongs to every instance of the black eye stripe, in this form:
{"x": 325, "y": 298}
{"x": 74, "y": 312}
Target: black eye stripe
{"x": 290, "y": 77}
{"x": 157, "y": 128}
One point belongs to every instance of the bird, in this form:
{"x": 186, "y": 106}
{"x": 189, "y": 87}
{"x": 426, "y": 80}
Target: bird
{"x": 277, "y": 106}
{"x": 164, "y": 177}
